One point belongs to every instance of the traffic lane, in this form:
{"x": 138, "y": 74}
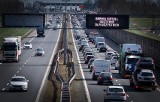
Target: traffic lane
{"x": 44, "y": 61}
{"x": 32, "y": 73}
{"x": 8, "y": 70}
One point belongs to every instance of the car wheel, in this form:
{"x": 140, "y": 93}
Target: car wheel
{"x": 111, "y": 83}
{"x": 98, "y": 83}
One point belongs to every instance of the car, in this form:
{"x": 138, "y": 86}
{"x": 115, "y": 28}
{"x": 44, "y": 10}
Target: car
{"x": 27, "y": 45}
{"x": 90, "y": 62}
{"x": 18, "y": 83}
{"x": 146, "y": 75}
{"x": 108, "y": 54}
{"x": 117, "y": 65}
{"x": 113, "y": 59}
{"x": 83, "y": 45}
{"x": 88, "y": 53}
{"x": 105, "y": 77}
{"x": 103, "y": 48}
{"x": 88, "y": 57}
{"x": 99, "y": 44}
{"x": 39, "y": 52}
{"x": 115, "y": 93}
{"x": 86, "y": 49}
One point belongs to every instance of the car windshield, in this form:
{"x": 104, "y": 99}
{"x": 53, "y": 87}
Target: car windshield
{"x": 39, "y": 49}
{"x": 146, "y": 74}
{"x": 27, "y": 43}
{"x": 18, "y": 79}
{"x": 132, "y": 60}
{"x": 115, "y": 90}
{"x": 105, "y": 74}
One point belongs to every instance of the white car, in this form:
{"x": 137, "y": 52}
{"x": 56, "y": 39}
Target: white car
{"x": 108, "y": 54}
{"x": 39, "y": 52}
{"x": 18, "y": 83}
{"x": 27, "y": 45}
{"x": 115, "y": 93}
{"x": 146, "y": 75}
{"x": 113, "y": 59}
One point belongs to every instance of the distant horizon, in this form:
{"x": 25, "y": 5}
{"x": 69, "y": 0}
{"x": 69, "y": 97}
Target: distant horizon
{"x": 56, "y": 1}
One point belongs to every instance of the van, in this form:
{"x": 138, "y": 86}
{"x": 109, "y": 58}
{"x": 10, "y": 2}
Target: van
{"x": 100, "y": 44}
{"x": 99, "y": 39}
{"x": 98, "y": 66}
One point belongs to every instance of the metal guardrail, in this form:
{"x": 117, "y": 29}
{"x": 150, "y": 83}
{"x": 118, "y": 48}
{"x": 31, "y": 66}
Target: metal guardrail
{"x": 65, "y": 92}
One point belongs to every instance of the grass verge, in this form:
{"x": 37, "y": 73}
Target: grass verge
{"x": 12, "y": 32}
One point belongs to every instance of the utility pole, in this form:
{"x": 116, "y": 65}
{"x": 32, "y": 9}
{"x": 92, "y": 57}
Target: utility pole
{"x": 65, "y": 34}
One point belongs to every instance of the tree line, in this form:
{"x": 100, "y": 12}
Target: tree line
{"x": 131, "y": 7}
{"x": 11, "y": 6}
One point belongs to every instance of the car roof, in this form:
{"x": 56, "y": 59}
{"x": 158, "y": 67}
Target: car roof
{"x": 18, "y": 77}
{"x": 106, "y": 72}
{"x": 116, "y": 87}
{"x": 146, "y": 70}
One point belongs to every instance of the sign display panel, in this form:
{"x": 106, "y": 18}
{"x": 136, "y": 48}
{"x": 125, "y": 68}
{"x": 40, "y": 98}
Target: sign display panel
{"x": 98, "y": 21}
{"x": 23, "y": 20}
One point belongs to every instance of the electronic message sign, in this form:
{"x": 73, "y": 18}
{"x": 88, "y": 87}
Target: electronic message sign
{"x": 98, "y": 21}
{"x": 23, "y": 20}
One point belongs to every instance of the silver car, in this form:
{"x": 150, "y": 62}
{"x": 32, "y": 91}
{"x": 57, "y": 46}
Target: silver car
{"x": 18, "y": 83}
{"x": 115, "y": 93}
{"x": 39, "y": 52}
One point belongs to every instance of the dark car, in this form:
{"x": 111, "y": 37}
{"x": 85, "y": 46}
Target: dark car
{"x": 103, "y": 49}
{"x": 105, "y": 77}
{"x": 88, "y": 58}
{"x": 145, "y": 62}
{"x": 40, "y": 32}
{"x": 90, "y": 62}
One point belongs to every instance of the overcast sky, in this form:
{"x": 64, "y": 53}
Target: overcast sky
{"x": 57, "y": 1}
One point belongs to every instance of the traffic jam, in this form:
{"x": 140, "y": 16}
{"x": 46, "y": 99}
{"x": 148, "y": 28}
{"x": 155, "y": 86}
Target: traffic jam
{"x": 102, "y": 65}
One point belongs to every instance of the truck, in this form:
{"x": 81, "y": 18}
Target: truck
{"x": 11, "y": 48}
{"x": 143, "y": 77}
{"x": 129, "y": 55}
{"x": 40, "y": 32}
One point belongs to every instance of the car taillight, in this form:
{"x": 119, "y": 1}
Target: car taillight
{"x": 110, "y": 78}
{"x": 100, "y": 78}
{"x": 123, "y": 94}
{"x": 137, "y": 86}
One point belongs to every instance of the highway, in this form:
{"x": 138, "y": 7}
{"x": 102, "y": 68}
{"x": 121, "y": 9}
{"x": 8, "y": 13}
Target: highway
{"x": 96, "y": 91}
{"x": 35, "y": 69}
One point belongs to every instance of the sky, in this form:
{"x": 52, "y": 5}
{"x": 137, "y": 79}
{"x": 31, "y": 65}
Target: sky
{"x": 56, "y": 1}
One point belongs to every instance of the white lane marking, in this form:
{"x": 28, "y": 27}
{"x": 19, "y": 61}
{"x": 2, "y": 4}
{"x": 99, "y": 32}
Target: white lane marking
{"x": 17, "y": 72}
{"x": 24, "y": 63}
{"x": 47, "y": 71}
{"x": 20, "y": 68}
{"x": 14, "y": 74}
{"x": 84, "y": 81}
{"x": 3, "y": 89}
{"x": 116, "y": 80}
{"x": 119, "y": 84}
{"x": 7, "y": 84}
